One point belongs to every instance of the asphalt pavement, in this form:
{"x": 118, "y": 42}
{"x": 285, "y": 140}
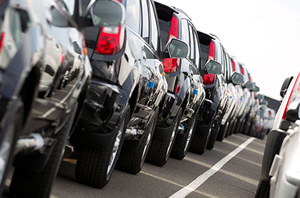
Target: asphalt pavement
{"x": 231, "y": 169}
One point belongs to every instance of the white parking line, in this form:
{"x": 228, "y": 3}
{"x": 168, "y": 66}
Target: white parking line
{"x": 202, "y": 178}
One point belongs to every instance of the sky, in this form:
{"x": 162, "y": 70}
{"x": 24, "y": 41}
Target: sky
{"x": 262, "y": 34}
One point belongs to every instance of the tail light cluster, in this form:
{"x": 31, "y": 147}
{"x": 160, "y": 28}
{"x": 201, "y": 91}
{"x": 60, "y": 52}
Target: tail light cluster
{"x": 211, "y": 53}
{"x": 111, "y": 39}
{"x": 242, "y": 70}
{"x": 171, "y": 65}
{"x": 209, "y": 79}
{"x": 2, "y": 41}
{"x": 233, "y": 65}
{"x": 295, "y": 95}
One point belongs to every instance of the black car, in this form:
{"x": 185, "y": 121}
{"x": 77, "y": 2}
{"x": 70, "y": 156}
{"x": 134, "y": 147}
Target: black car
{"x": 125, "y": 97}
{"x": 216, "y": 101}
{"x": 44, "y": 78}
{"x": 177, "y": 119}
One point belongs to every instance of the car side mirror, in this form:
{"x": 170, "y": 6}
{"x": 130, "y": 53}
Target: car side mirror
{"x": 264, "y": 102}
{"x": 293, "y": 111}
{"x": 213, "y": 67}
{"x": 177, "y": 48}
{"x": 285, "y": 85}
{"x": 259, "y": 97}
{"x": 107, "y": 13}
{"x": 100, "y": 13}
{"x": 255, "y": 89}
{"x": 236, "y": 78}
{"x": 249, "y": 85}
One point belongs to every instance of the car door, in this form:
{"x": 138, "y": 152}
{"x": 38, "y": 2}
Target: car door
{"x": 58, "y": 88}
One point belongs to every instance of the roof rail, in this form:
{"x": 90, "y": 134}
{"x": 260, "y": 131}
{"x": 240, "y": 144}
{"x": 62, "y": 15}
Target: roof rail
{"x": 213, "y": 35}
{"x": 180, "y": 10}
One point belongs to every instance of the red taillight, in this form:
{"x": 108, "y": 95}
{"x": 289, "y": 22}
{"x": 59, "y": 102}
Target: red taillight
{"x": 61, "y": 58}
{"x": 111, "y": 40}
{"x": 177, "y": 88}
{"x": 249, "y": 78}
{"x": 242, "y": 70}
{"x": 233, "y": 65}
{"x": 209, "y": 79}
{"x": 292, "y": 95}
{"x": 174, "y": 28}
{"x": 211, "y": 54}
{"x": 171, "y": 64}
{"x": 2, "y": 41}
{"x": 84, "y": 50}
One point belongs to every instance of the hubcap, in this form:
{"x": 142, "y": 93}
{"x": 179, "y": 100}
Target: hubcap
{"x": 115, "y": 149}
{"x": 189, "y": 137}
{"x": 171, "y": 141}
{"x": 5, "y": 149}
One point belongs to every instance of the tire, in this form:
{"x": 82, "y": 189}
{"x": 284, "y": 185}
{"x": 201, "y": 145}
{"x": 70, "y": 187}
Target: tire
{"x": 231, "y": 131}
{"x": 199, "y": 142}
{"x": 263, "y": 189}
{"x": 94, "y": 166}
{"x": 214, "y": 132}
{"x": 160, "y": 149}
{"x": 132, "y": 161}
{"x": 228, "y": 131}
{"x": 12, "y": 129}
{"x": 223, "y": 131}
{"x": 183, "y": 141}
{"x": 38, "y": 184}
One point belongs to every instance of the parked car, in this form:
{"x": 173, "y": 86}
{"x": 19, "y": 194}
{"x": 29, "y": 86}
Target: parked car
{"x": 285, "y": 168}
{"x": 246, "y": 106}
{"x": 127, "y": 91}
{"x": 290, "y": 93}
{"x": 230, "y": 114}
{"x": 217, "y": 98}
{"x": 185, "y": 95}
{"x": 44, "y": 78}
{"x": 257, "y": 120}
{"x": 238, "y": 100}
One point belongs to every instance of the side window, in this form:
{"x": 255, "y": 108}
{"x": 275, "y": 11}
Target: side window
{"x": 15, "y": 26}
{"x": 184, "y": 32}
{"x": 191, "y": 44}
{"x": 145, "y": 28}
{"x": 154, "y": 28}
{"x": 68, "y": 6}
{"x": 197, "y": 49}
{"x": 58, "y": 19}
{"x": 133, "y": 15}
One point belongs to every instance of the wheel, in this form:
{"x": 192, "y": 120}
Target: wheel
{"x": 10, "y": 132}
{"x": 38, "y": 184}
{"x": 263, "y": 189}
{"x": 214, "y": 132}
{"x": 160, "y": 149}
{"x": 132, "y": 161}
{"x": 228, "y": 131}
{"x": 222, "y": 132}
{"x": 232, "y": 127}
{"x": 183, "y": 141}
{"x": 94, "y": 166}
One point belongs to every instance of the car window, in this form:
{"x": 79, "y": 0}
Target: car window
{"x": 185, "y": 31}
{"x": 191, "y": 45}
{"x": 58, "y": 19}
{"x": 15, "y": 26}
{"x": 133, "y": 15}
{"x": 154, "y": 28}
{"x": 145, "y": 28}
{"x": 197, "y": 50}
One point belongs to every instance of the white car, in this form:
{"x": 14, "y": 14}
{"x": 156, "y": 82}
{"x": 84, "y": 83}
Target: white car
{"x": 285, "y": 170}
